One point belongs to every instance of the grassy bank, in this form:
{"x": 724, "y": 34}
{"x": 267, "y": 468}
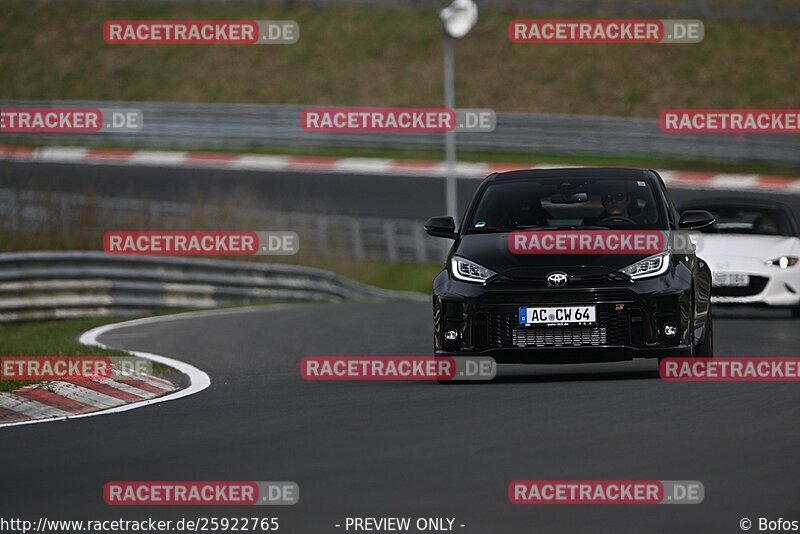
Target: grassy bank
{"x": 48, "y": 338}
{"x": 388, "y": 56}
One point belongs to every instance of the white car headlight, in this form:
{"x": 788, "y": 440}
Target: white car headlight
{"x": 784, "y": 262}
{"x": 469, "y": 271}
{"x": 648, "y": 267}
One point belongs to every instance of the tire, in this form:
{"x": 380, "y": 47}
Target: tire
{"x": 455, "y": 381}
{"x": 441, "y": 381}
{"x": 796, "y": 312}
{"x": 705, "y": 349}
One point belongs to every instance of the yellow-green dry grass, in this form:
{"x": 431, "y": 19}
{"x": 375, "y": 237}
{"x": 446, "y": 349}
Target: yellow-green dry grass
{"x": 388, "y": 56}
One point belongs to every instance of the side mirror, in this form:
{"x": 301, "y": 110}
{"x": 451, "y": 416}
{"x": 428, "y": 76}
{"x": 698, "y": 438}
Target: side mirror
{"x": 696, "y": 220}
{"x": 441, "y": 227}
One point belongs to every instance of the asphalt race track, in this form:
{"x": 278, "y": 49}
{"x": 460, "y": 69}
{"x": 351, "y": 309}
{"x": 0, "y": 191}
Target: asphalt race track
{"x": 405, "y": 449}
{"x": 420, "y": 449}
{"x": 312, "y": 192}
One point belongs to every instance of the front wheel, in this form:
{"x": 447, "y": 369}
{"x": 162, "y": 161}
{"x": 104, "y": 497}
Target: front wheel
{"x": 796, "y": 312}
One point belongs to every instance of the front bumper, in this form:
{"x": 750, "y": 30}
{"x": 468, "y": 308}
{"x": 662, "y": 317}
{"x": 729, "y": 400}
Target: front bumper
{"x": 631, "y": 321}
{"x": 777, "y": 287}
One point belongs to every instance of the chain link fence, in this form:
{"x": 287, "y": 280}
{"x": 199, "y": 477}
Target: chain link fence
{"x": 82, "y": 220}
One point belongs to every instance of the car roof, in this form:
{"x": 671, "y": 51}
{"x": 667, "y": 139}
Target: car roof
{"x": 569, "y": 172}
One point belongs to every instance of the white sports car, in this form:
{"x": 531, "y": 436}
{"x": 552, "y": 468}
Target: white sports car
{"x": 753, "y": 250}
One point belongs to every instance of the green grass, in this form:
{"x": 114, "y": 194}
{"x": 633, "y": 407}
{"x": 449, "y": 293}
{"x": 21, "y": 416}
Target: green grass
{"x": 49, "y": 338}
{"x": 388, "y": 56}
{"x": 401, "y": 277}
{"x": 391, "y": 56}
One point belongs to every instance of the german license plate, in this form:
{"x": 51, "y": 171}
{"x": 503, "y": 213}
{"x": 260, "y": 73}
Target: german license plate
{"x": 730, "y": 280}
{"x": 558, "y": 315}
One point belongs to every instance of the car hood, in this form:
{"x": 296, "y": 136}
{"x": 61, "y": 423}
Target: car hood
{"x": 491, "y": 251}
{"x": 759, "y": 247}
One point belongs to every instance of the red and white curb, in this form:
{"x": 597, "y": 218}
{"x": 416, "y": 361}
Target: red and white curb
{"x": 60, "y": 400}
{"x": 65, "y": 399}
{"x": 388, "y": 167}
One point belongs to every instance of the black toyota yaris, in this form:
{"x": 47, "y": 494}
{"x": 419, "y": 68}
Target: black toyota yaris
{"x": 570, "y": 308}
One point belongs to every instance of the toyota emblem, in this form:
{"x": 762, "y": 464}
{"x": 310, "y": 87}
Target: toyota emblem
{"x": 557, "y": 279}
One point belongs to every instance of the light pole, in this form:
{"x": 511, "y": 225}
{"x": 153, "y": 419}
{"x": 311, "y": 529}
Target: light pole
{"x": 457, "y": 20}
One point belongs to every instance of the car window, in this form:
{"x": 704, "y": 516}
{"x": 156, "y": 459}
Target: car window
{"x": 564, "y": 203}
{"x": 749, "y": 220}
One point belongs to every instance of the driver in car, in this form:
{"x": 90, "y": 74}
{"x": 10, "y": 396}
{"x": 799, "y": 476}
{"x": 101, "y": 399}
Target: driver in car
{"x": 767, "y": 225}
{"x": 620, "y": 207}
{"x": 616, "y": 204}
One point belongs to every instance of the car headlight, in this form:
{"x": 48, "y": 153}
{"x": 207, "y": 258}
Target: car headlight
{"x": 469, "y": 271}
{"x": 648, "y": 267}
{"x": 784, "y": 262}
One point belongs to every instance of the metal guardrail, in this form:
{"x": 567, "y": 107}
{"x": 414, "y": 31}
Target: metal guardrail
{"x": 48, "y": 285}
{"x": 250, "y": 126}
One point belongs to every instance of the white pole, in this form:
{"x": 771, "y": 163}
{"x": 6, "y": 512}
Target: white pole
{"x": 451, "y": 195}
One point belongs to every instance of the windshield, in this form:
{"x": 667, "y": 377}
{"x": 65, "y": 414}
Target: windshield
{"x": 749, "y": 220}
{"x": 556, "y": 203}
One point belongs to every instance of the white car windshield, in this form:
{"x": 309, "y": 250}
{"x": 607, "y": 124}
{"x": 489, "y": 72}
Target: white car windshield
{"x": 749, "y": 220}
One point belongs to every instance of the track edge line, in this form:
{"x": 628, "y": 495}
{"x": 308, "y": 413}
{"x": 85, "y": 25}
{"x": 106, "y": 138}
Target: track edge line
{"x": 198, "y": 379}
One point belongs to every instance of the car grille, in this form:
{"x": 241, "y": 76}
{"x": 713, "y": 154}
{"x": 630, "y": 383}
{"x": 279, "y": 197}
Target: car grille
{"x": 757, "y": 285}
{"x": 524, "y": 298}
{"x": 612, "y": 328}
{"x": 566, "y": 337}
